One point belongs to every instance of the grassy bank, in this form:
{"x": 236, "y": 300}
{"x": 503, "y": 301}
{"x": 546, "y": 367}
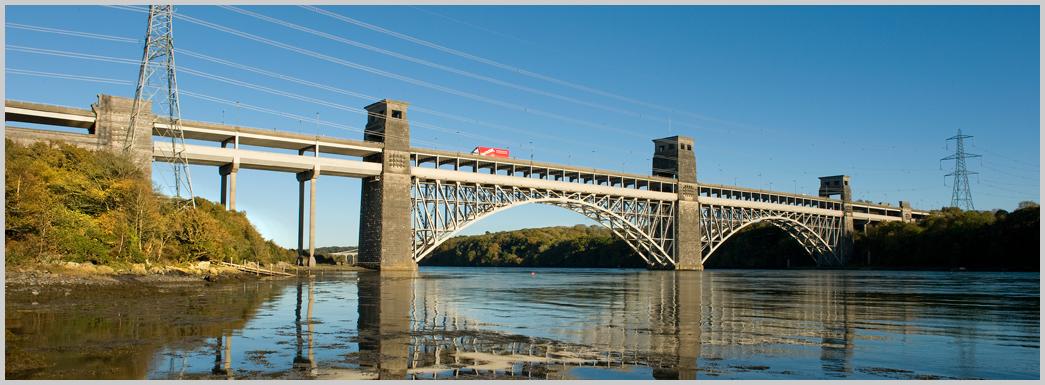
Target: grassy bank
{"x": 66, "y": 204}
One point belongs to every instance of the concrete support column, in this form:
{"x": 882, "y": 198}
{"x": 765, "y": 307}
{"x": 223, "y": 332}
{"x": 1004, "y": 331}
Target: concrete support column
{"x": 311, "y": 177}
{"x": 228, "y": 185}
{"x": 228, "y": 176}
{"x": 385, "y": 228}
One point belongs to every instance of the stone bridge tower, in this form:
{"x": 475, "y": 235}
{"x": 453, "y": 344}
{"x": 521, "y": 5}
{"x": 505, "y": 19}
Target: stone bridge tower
{"x": 839, "y": 185}
{"x": 673, "y": 158}
{"x": 385, "y": 235}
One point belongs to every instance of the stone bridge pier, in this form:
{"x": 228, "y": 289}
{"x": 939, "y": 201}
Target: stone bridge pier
{"x": 673, "y": 157}
{"x": 385, "y": 235}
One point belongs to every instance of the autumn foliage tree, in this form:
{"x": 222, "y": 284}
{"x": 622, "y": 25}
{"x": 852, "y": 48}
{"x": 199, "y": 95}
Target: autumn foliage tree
{"x": 64, "y": 203}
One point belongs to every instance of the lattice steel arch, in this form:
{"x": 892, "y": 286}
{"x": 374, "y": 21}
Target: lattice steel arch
{"x": 819, "y": 234}
{"x": 442, "y": 209}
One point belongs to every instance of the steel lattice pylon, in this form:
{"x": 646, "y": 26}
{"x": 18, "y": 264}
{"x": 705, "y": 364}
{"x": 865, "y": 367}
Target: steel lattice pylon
{"x": 961, "y": 196}
{"x": 158, "y": 56}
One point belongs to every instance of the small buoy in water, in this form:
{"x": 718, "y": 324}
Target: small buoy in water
{"x": 533, "y": 274}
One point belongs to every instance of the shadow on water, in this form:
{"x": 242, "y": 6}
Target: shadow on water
{"x": 460, "y": 323}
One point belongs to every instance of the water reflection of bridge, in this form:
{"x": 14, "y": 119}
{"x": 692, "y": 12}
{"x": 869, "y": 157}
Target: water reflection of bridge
{"x": 682, "y": 313}
{"x": 666, "y": 321}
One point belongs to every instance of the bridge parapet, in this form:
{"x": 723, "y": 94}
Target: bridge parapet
{"x": 765, "y": 196}
{"x": 455, "y": 161}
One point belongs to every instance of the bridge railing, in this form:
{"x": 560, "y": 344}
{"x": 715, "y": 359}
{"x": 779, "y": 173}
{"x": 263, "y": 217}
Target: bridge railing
{"x": 764, "y": 196}
{"x": 461, "y": 162}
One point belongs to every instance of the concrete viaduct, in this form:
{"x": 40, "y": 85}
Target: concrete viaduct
{"x": 413, "y": 199}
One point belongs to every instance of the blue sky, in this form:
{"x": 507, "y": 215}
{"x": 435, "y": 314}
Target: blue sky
{"x": 773, "y": 96}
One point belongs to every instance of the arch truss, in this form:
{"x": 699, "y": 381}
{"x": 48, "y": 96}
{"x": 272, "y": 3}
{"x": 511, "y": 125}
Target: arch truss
{"x": 819, "y": 234}
{"x": 442, "y": 209}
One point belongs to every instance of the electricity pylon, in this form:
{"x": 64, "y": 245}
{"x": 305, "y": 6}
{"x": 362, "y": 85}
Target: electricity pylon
{"x": 961, "y": 197}
{"x": 158, "y": 73}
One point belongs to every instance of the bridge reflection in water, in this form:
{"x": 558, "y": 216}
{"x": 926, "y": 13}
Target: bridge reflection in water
{"x": 408, "y": 331}
{"x": 557, "y": 324}
{"x": 405, "y": 331}
{"x": 411, "y": 327}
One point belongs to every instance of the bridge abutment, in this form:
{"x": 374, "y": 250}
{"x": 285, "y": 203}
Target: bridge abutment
{"x": 112, "y": 123}
{"x": 107, "y": 132}
{"x": 385, "y": 228}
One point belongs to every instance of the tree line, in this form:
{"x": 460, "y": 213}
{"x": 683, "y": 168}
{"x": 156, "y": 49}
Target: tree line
{"x": 946, "y": 239}
{"x": 955, "y": 239}
{"x": 563, "y": 246}
{"x": 64, "y": 203}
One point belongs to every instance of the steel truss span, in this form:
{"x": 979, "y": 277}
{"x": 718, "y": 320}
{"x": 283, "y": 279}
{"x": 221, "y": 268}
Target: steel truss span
{"x": 442, "y": 209}
{"x": 819, "y": 234}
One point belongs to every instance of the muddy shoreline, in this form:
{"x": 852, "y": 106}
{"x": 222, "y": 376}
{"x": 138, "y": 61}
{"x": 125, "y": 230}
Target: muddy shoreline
{"x": 21, "y": 278}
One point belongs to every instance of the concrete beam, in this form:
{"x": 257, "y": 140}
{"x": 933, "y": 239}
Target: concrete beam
{"x": 876, "y": 217}
{"x": 262, "y": 160}
{"x": 271, "y": 138}
{"x": 16, "y": 111}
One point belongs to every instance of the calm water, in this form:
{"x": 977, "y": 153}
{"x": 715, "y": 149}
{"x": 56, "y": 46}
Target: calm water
{"x": 555, "y": 324}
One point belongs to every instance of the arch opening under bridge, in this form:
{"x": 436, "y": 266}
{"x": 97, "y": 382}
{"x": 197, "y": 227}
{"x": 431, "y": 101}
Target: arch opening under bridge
{"x": 612, "y": 213}
{"x": 811, "y": 241}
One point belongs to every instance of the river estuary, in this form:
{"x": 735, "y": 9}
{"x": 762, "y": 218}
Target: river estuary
{"x": 469, "y": 323}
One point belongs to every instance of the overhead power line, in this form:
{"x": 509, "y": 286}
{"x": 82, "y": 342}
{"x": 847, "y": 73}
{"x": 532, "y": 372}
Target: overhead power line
{"x": 508, "y": 67}
{"x": 191, "y": 71}
{"x": 185, "y": 52}
{"x": 392, "y": 75}
{"x": 446, "y": 68}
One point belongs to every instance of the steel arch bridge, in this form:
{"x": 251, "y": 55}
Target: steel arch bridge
{"x": 441, "y": 209}
{"x": 413, "y": 199}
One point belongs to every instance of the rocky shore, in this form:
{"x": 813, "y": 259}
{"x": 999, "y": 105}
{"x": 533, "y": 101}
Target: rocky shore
{"x": 71, "y": 273}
